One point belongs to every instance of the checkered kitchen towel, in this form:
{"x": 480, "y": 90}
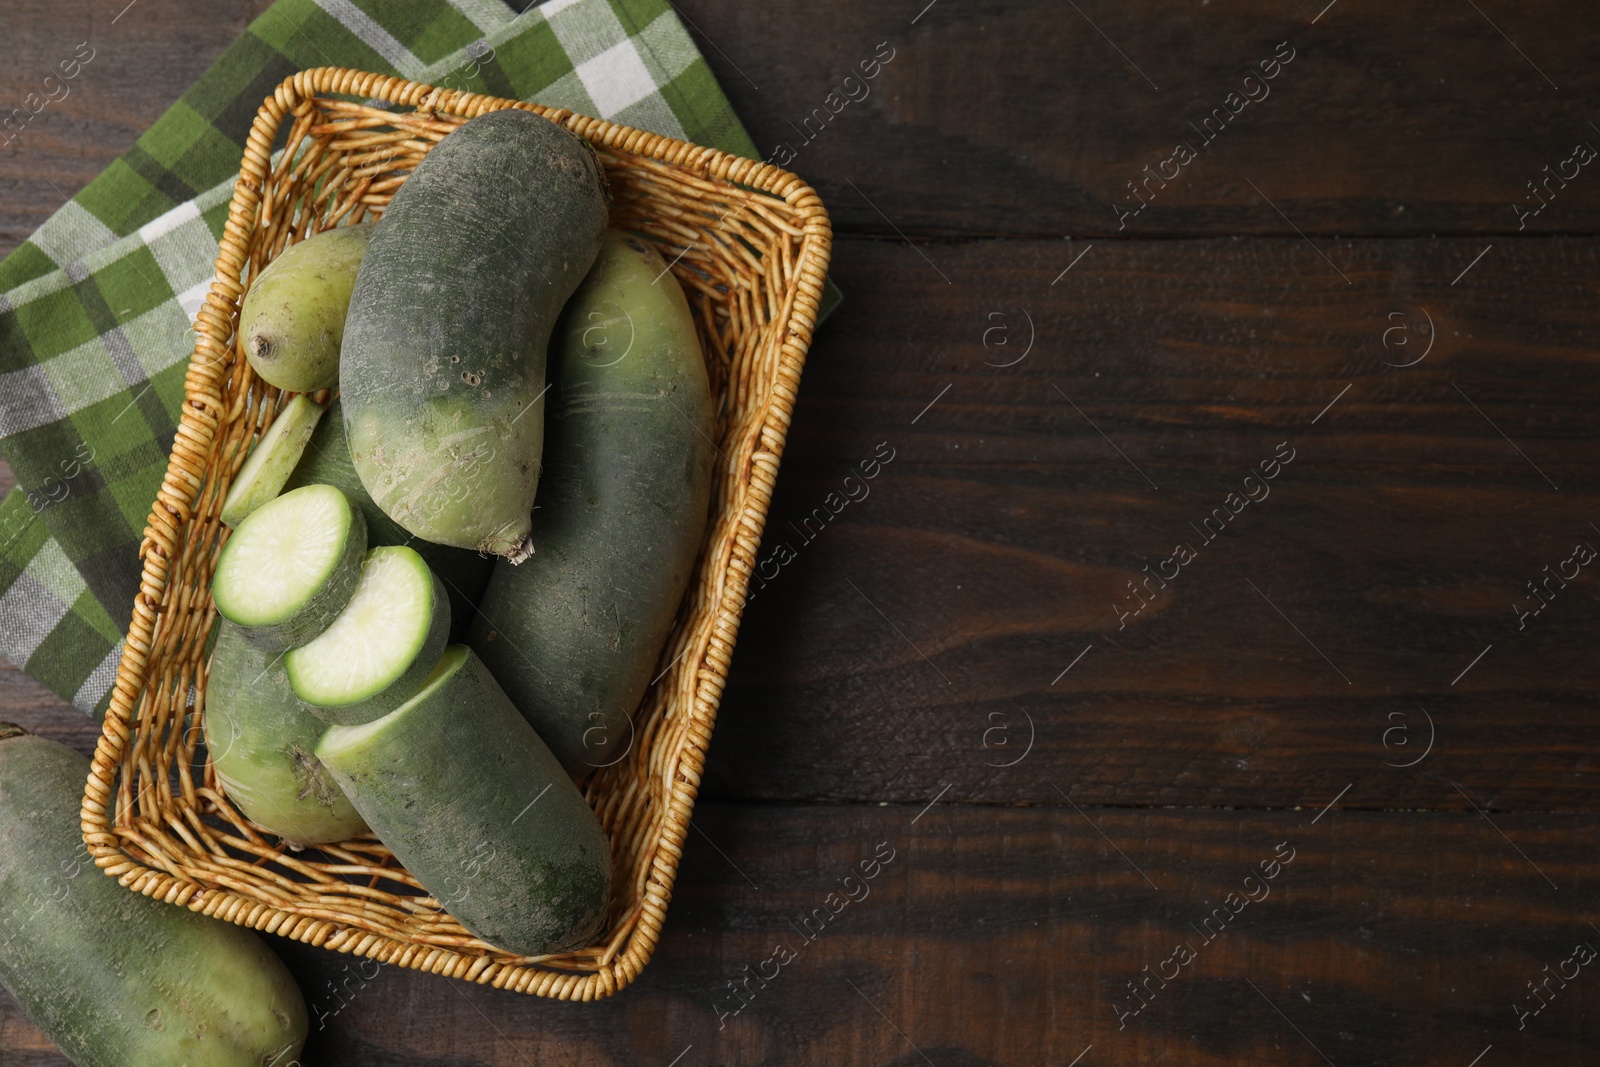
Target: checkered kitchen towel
{"x": 96, "y": 307}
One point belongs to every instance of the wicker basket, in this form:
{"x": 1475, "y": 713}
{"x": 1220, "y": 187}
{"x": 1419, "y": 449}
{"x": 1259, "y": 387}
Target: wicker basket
{"x": 749, "y": 243}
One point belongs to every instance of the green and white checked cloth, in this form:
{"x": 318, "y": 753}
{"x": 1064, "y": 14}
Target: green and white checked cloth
{"x": 96, "y": 307}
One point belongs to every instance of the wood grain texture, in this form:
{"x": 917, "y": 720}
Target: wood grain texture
{"x": 1027, "y": 117}
{"x": 914, "y": 634}
{"x": 143, "y": 61}
{"x": 1008, "y": 937}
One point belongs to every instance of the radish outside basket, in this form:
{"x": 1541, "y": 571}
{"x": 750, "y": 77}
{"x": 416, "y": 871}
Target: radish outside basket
{"x": 749, "y": 243}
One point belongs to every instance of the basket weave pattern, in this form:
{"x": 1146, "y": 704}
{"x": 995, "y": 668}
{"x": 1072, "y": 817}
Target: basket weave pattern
{"x": 749, "y": 243}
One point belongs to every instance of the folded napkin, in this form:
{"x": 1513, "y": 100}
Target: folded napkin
{"x": 96, "y": 307}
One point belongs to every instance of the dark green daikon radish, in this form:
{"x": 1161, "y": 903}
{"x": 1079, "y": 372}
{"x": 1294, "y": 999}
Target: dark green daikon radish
{"x": 442, "y": 369}
{"x": 262, "y": 740}
{"x": 271, "y": 461}
{"x": 574, "y": 633}
{"x": 116, "y": 979}
{"x": 375, "y": 655}
{"x": 292, "y": 320}
{"x": 463, "y": 571}
{"x": 474, "y": 805}
{"x": 288, "y": 569}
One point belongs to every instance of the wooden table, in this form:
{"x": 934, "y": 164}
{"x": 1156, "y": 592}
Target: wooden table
{"x": 1225, "y": 538}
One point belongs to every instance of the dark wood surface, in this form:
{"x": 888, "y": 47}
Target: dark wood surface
{"x": 965, "y": 632}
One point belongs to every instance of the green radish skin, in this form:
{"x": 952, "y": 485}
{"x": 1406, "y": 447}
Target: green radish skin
{"x": 327, "y": 461}
{"x": 364, "y": 623}
{"x": 263, "y": 741}
{"x": 114, "y": 978}
{"x": 468, "y": 798}
{"x": 442, "y": 371}
{"x": 330, "y": 588}
{"x": 574, "y": 633}
{"x": 292, "y": 319}
{"x": 272, "y": 460}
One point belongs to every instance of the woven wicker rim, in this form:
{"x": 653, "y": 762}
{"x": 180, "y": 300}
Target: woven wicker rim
{"x": 723, "y": 576}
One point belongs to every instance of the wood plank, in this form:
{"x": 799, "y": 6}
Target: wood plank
{"x": 1361, "y": 132}
{"x": 144, "y": 59}
{"x": 1005, "y": 528}
{"x": 1300, "y": 649}
{"x": 1008, "y": 937}
{"x": 1028, "y": 117}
